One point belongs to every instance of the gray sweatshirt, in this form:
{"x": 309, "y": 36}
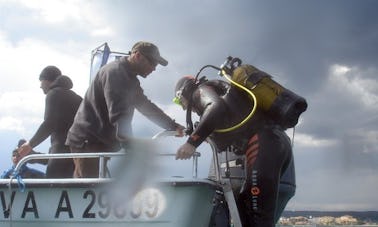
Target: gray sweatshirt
{"x": 105, "y": 115}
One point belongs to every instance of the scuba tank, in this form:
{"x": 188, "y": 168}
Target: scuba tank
{"x": 281, "y": 104}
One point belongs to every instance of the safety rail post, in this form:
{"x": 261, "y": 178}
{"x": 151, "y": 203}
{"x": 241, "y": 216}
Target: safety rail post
{"x": 215, "y": 160}
{"x": 101, "y": 164}
{"x": 226, "y": 186}
{"x": 195, "y": 164}
{"x": 195, "y": 155}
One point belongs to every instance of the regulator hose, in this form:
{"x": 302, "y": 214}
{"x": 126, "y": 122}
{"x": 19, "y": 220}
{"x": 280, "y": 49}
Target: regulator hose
{"x": 223, "y": 72}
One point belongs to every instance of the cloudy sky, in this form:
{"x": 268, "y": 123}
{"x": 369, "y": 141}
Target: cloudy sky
{"x": 326, "y": 51}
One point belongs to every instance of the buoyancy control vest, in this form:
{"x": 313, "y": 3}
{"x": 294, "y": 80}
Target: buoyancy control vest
{"x": 281, "y": 104}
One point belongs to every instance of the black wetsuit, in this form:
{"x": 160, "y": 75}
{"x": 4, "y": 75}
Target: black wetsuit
{"x": 60, "y": 108}
{"x": 264, "y": 145}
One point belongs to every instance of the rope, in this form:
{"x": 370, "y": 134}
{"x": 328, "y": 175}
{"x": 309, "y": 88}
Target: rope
{"x": 20, "y": 183}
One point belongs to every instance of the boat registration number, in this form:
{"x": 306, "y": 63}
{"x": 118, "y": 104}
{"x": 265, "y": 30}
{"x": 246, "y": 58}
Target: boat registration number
{"x": 81, "y": 204}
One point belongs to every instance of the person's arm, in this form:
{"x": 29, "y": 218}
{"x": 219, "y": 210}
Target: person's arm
{"x": 50, "y": 120}
{"x": 154, "y": 113}
{"x": 122, "y": 91}
{"x": 46, "y": 127}
{"x": 212, "y": 109}
{"x": 213, "y": 112}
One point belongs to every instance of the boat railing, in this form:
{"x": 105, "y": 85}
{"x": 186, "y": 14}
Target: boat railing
{"x": 221, "y": 181}
{"x": 102, "y": 156}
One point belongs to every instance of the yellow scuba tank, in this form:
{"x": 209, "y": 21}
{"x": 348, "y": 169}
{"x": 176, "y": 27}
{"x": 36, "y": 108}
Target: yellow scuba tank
{"x": 281, "y": 104}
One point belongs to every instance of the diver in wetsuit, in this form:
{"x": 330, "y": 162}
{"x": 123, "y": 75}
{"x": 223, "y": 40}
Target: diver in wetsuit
{"x": 263, "y": 144}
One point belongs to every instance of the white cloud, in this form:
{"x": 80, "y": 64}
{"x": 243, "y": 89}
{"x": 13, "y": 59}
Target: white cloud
{"x": 352, "y": 81}
{"x": 53, "y": 11}
{"x": 34, "y": 55}
{"x": 22, "y": 61}
{"x": 11, "y": 123}
{"x": 365, "y": 139}
{"x": 25, "y": 102}
{"x": 305, "y": 140}
{"x": 77, "y": 13}
{"x": 339, "y": 69}
{"x": 107, "y": 31}
{"x": 20, "y": 95}
{"x": 21, "y": 111}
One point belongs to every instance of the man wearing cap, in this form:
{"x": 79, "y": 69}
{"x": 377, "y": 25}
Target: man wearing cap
{"x": 61, "y": 105}
{"x": 103, "y": 121}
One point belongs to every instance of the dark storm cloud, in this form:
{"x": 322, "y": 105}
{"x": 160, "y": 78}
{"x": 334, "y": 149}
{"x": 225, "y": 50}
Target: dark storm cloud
{"x": 296, "y": 41}
{"x": 305, "y": 37}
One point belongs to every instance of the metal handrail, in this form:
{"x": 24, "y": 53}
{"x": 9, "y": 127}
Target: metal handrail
{"x": 196, "y": 155}
{"x": 103, "y": 155}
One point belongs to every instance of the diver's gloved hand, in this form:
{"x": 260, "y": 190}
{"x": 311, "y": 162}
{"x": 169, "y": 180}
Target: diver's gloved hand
{"x": 186, "y": 151}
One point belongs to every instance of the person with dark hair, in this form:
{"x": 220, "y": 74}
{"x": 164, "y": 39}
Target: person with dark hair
{"x": 260, "y": 148}
{"x": 61, "y": 105}
{"x": 103, "y": 121}
{"x": 24, "y": 171}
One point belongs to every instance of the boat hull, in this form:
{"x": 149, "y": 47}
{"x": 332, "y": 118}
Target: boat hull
{"x": 174, "y": 202}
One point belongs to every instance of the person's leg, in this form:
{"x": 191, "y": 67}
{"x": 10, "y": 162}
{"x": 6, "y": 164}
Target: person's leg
{"x": 286, "y": 189}
{"x": 220, "y": 216}
{"x": 59, "y": 168}
{"x": 285, "y": 193}
{"x": 265, "y": 158}
{"x": 85, "y": 167}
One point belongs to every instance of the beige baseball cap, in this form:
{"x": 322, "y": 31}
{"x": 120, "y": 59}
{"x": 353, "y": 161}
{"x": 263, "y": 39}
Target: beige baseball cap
{"x": 150, "y": 51}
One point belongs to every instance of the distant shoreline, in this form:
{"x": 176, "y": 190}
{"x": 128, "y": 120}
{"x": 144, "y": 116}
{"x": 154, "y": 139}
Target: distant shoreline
{"x": 360, "y": 215}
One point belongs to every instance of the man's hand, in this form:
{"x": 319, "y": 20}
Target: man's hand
{"x": 24, "y": 149}
{"x": 186, "y": 151}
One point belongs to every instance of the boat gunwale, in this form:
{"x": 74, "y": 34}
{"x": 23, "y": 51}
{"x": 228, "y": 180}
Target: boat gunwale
{"x": 94, "y": 182}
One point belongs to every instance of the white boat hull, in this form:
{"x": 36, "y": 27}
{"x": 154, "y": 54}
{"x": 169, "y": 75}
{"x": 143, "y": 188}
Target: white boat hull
{"x": 174, "y": 202}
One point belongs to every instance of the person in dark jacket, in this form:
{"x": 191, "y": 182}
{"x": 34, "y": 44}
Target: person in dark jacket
{"x": 263, "y": 145}
{"x": 103, "y": 121}
{"x": 25, "y": 171}
{"x": 61, "y": 105}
